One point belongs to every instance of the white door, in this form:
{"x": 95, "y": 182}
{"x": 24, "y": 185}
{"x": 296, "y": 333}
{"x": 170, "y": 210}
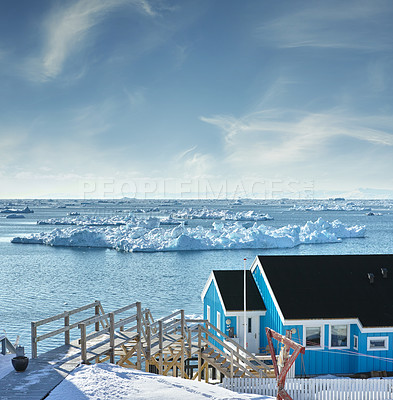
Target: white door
{"x": 252, "y": 333}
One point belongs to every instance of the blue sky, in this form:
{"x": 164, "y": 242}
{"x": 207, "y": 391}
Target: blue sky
{"x": 138, "y": 97}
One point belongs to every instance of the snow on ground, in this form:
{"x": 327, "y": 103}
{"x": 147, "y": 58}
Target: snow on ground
{"x": 6, "y": 364}
{"x": 220, "y": 236}
{"x": 106, "y": 381}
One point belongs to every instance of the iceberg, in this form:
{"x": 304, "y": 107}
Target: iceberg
{"x": 148, "y": 236}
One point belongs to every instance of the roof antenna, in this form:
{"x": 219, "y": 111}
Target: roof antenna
{"x": 384, "y": 272}
{"x": 370, "y": 277}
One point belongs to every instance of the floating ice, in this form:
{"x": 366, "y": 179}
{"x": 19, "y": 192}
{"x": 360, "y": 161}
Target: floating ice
{"x": 148, "y": 237}
{"x": 116, "y": 220}
{"x": 350, "y": 206}
{"x": 226, "y": 215}
{"x": 26, "y": 210}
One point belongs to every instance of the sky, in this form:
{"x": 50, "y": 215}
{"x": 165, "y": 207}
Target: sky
{"x": 197, "y": 98}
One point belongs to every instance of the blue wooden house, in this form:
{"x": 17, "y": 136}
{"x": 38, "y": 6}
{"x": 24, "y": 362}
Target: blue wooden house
{"x": 340, "y": 306}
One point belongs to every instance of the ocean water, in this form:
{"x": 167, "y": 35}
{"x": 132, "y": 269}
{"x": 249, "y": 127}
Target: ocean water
{"x": 40, "y": 281}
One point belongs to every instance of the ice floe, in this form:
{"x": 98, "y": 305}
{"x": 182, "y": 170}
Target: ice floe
{"x": 147, "y": 236}
{"x": 227, "y": 215}
{"x": 350, "y": 206}
{"x": 25, "y": 210}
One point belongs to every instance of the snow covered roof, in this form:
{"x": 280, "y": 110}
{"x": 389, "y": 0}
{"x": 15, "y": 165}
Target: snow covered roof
{"x": 231, "y": 286}
{"x": 332, "y": 286}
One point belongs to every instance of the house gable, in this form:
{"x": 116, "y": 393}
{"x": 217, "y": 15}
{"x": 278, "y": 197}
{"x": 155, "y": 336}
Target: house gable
{"x": 231, "y": 287}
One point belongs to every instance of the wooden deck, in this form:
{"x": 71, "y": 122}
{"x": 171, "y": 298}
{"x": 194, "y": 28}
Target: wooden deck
{"x": 42, "y": 375}
{"x": 166, "y": 346}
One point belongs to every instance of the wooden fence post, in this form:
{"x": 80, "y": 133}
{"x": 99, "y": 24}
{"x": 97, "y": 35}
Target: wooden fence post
{"x": 182, "y": 358}
{"x": 33, "y": 340}
{"x": 160, "y": 345}
{"x": 231, "y": 363}
{"x": 139, "y": 330}
{"x": 82, "y": 328}
{"x": 112, "y": 337}
{"x": 148, "y": 346}
{"x": 199, "y": 353}
{"x": 96, "y": 314}
{"x": 67, "y": 324}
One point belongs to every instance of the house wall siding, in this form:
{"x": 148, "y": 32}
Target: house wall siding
{"x": 347, "y": 360}
{"x": 213, "y": 300}
{"x": 272, "y": 318}
{"x": 375, "y": 360}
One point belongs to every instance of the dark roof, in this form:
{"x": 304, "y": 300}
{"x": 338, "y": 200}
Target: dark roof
{"x": 231, "y": 287}
{"x": 336, "y": 286}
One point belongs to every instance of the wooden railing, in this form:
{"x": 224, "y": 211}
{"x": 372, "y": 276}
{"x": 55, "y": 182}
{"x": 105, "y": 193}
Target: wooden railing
{"x": 149, "y": 339}
{"x": 114, "y": 329}
{"x": 5, "y": 345}
{"x": 170, "y": 324}
{"x": 67, "y": 326}
{"x": 231, "y": 350}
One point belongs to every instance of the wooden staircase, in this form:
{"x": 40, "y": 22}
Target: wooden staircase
{"x": 226, "y": 356}
{"x": 172, "y": 345}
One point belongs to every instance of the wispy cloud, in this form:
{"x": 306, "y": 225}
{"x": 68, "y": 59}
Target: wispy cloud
{"x": 331, "y": 25}
{"x": 136, "y": 97}
{"x": 185, "y": 153}
{"x": 194, "y": 164}
{"x": 274, "y": 137}
{"x": 67, "y": 29}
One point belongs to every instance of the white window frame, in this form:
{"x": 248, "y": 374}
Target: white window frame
{"x": 348, "y": 336}
{"x": 356, "y": 342}
{"x": 385, "y": 338}
{"x": 321, "y": 327}
{"x": 218, "y": 320}
{"x": 208, "y": 313}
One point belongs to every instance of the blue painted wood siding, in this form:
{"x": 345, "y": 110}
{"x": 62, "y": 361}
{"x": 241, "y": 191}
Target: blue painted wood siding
{"x": 272, "y": 318}
{"x": 375, "y": 360}
{"x": 212, "y": 299}
{"x": 343, "y": 361}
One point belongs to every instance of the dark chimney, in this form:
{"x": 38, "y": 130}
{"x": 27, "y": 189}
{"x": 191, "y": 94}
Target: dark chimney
{"x": 384, "y": 272}
{"x": 370, "y": 277}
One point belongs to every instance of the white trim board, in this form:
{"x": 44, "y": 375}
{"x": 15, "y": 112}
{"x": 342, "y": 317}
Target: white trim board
{"x": 254, "y": 265}
{"x": 384, "y": 338}
{"x": 322, "y": 338}
{"x": 211, "y": 279}
{"x": 241, "y": 313}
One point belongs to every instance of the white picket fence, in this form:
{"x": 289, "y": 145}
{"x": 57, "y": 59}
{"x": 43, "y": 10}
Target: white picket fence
{"x": 316, "y": 389}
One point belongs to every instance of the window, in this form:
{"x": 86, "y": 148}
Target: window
{"x": 249, "y": 325}
{"x": 208, "y": 313}
{"x": 218, "y": 322}
{"x": 355, "y": 342}
{"x": 378, "y": 343}
{"x": 339, "y": 336}
{"x": 313, "y": 336}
